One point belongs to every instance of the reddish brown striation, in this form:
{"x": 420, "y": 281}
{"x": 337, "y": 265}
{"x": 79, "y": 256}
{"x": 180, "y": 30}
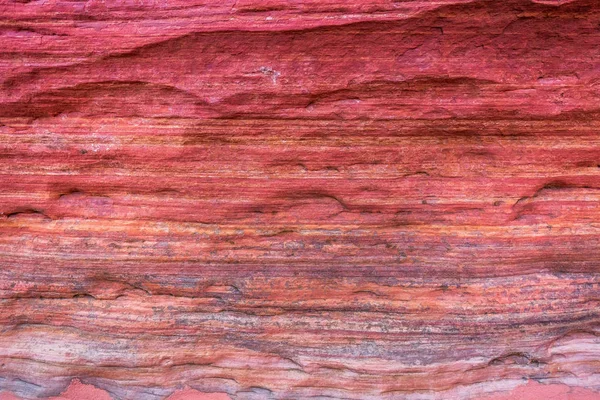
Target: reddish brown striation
{"x": 268, "y": 199}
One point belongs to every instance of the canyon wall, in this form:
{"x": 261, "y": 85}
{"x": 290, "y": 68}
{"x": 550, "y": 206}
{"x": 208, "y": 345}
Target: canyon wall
{"x": 268, "y": 199}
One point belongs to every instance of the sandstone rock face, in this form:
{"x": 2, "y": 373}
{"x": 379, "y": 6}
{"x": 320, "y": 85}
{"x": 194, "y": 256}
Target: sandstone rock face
{"x": 269, "y": 199}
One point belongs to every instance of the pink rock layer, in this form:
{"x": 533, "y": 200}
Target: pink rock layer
{"x": 273, "y": 199}
{"x": 530, "y": 391}
{"x": 80, "y": 391}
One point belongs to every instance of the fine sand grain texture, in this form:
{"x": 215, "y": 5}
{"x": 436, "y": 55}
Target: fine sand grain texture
{"x": 300, "y": 199}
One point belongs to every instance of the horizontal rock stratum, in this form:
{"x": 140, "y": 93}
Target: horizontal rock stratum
{"x": 268, "y": 199}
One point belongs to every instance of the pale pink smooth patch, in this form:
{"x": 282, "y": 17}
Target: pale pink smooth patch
{"x": 82, "y": 391}
{"x": 537, "y": 391}
{"x": 8, "y": 396}
{"x": 191, "y": 394}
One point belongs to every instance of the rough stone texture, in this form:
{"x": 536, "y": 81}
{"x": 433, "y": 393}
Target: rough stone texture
{"x": 300, "y": 199}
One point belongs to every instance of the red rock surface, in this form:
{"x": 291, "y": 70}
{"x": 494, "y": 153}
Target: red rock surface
{"x": 299, "y": 199}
